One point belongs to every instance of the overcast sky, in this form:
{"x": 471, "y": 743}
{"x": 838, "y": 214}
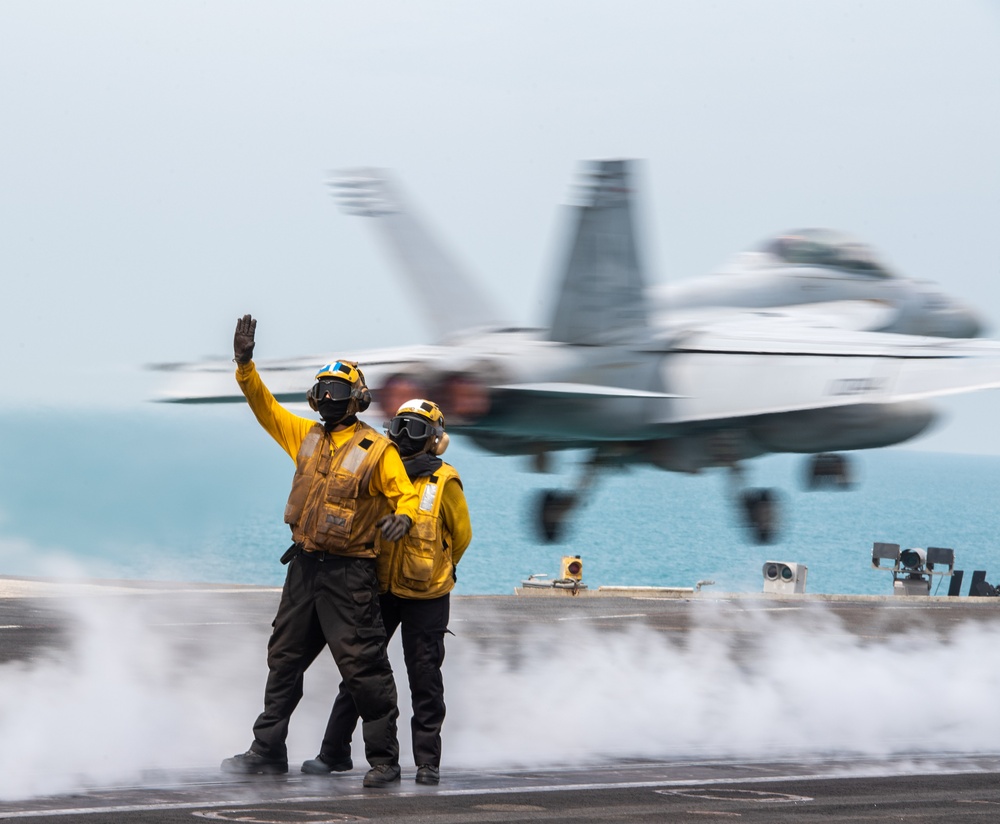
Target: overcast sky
{"x": 162, "y": 165}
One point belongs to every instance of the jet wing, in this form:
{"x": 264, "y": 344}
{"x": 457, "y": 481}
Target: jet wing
{"x": 213, "y": 381}
{"x": 581, "y": 391}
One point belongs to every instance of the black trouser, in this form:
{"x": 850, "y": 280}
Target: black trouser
{"x": 332, "y": 601}
{"x": 424, "y": 625}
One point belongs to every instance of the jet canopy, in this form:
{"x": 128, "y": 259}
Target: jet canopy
{"x": 826, "y": 247}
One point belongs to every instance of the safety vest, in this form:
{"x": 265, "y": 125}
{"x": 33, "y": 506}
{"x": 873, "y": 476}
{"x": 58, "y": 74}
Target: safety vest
{"x": 329, "y": 508}
{"x": 419, "y": 565}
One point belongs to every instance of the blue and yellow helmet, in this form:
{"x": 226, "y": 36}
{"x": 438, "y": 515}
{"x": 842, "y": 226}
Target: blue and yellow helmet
{"x": 344, "y": 370}
{"x": 341, "y": 380}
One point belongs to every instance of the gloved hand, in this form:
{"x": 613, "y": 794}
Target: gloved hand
{"x": 243, "y": 341}
{"x": 394, "y": 527}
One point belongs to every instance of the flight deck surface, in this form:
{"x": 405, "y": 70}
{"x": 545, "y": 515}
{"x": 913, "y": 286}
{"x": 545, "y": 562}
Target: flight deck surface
{"x": 920, "y": 784}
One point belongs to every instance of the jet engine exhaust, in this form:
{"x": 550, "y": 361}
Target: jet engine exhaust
{"x": 463, "y": 400}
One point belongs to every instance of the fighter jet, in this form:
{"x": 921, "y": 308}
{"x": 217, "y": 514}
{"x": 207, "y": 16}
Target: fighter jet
{"x": 621, "y": 376}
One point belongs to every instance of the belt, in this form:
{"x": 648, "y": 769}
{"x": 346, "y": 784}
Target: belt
{"x": 322, "y": 554}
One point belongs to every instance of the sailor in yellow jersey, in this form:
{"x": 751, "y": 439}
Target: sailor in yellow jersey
{"x": 416, "y": 575}
{"x": 350, "y": 491}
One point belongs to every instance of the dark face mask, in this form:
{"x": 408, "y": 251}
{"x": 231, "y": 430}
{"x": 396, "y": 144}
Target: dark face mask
{"x": 333, "y": 412}
{"x": 408, "y": 446}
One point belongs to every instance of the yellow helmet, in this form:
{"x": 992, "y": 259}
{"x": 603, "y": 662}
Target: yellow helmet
{"x": 420, "y": 419}
{"x": 342, "y": 380}
{"x": 426, "y": 409}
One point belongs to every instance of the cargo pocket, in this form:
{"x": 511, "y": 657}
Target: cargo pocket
{"x": 333, "y": 526}
{"x": 417, "y": 567}
{"x": 336, "y": 514}
{"x": 367, "y": 615}
{"x": 417, "y": 563}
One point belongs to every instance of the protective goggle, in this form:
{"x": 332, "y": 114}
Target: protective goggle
{"x": 416, "y": 428}
{"x": 337, "y": 390}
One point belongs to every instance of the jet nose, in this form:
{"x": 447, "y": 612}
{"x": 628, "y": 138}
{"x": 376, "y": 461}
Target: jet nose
{"x": 945, "y": 317}
{"x": 967, "y": 323}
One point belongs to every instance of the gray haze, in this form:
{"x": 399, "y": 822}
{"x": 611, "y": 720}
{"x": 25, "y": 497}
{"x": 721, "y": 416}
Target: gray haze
{"x": 163, "y": 164}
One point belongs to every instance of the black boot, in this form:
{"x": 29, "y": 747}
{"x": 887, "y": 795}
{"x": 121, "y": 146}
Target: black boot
{"x": 321, "y": 765}
{"x": 382, "y": 775}
{"x": 253, "y": 763}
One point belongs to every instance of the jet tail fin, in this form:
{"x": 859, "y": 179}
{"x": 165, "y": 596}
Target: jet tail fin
{"x": 450, "y": 298}
{"x": 600, "y": 299}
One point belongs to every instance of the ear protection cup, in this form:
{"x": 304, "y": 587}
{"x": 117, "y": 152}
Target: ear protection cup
{"x": 362, "y": 397}
{"x": 361, "y": 393}
{"x": 440, "y": 444}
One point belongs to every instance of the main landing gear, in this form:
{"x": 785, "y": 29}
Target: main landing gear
{"x": 758, "y": 507}
{"x": 554, "y": 505}
{"x": 828, "y": 469}
{"x": 760, "y": 513}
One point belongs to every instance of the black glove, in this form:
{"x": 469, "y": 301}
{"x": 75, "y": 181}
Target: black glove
{"x": 394, "y": 527}
{"x": 243, "y": 341}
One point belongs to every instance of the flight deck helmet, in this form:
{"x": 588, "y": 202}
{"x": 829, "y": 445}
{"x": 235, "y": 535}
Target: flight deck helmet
{"x": 419, "y": 420}
{"x": 342, "y": 380}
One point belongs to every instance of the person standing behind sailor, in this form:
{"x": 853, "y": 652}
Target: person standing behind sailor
{"x": 349, "y": 485}
{"x": 416, "y": 574}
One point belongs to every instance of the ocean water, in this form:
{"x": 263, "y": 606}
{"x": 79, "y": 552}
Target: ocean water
{"x": 189, "y": 493}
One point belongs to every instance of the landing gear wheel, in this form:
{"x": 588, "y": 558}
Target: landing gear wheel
{"x": 828, "y": 469}
{"x": 553, "y": 507}
{"x": 760, "y": 506}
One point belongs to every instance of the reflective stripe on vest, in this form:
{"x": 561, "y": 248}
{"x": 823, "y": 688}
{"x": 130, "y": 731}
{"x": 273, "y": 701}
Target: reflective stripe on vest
{"x": 419, "y": 565}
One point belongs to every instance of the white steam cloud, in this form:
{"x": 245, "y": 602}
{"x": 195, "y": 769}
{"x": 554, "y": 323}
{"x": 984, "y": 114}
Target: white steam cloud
{"x": 771, "y": 688}
{"x": 137, "y": 688}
